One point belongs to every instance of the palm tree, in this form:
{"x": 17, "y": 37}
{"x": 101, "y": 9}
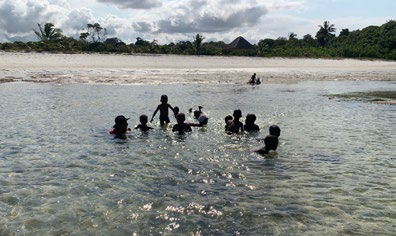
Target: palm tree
{"x": 325, "y": 33}
{"x": 198, "y": 43}
{"x": 49, "y": 32}
{"x": 152, "y": 46}
{"x": 292, "y": 36}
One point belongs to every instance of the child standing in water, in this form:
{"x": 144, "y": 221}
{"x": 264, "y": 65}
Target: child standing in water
{"x": 228, "y": 120}
{"x": 181, "y": 127}
{"x": 143, "y": 124}
{"x": 236, "y": 125}
{"x": 249, "y": 123}
{"x": 274, "y": 130}
{"x": 271, "y": 143}
{"x": 120, "y": 128}
{"x": 163, "y": 108}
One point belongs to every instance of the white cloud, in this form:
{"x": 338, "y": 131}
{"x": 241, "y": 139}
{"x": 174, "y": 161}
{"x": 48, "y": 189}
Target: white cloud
{"x": 77, "y": 20}
{"x": 19, "y": 17}
{"x": 134, "y": 4}
{"x": 175, "y": 20}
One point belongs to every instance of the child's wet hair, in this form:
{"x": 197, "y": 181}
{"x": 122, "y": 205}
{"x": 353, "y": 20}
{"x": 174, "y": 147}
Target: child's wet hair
{"x": 180, "y": 117}
{"x": 274, "y": 130}
{"x": 120, "y": 121}
{"x": 271, "y": 142}
{"x": 197, "y": 114}
{"x": 237, "y": 113}
{"x": 143, "y": 119}
{"x": 164, "y": 98}
{"x": 227, "y": 118}
{"x": 250, "y": 118}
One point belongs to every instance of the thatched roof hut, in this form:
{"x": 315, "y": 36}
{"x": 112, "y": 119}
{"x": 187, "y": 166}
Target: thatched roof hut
{"x": 239, "y": 44}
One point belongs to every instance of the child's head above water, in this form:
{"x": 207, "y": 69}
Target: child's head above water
{"x": 250, "y": 119}
{"x": 197, "y": 114}
{"x": 120, "y": 121}
{"x": 120, "y": 126}
{"x": 143, "y": 119}
{"x": 274, "y": 130}
{"x": 180, "y": 118}
{"x": 176, "y": 110}
{"x": 228, "y": 119}
{"x": 164, "y": 99}
{"x": 271, "y": 142}
{"x": 237, "y": 114}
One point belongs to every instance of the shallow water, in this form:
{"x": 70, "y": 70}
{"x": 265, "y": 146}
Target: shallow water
{"x": 61, "y": 173}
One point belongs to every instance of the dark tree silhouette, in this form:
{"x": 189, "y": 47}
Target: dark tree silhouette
{"x": 48, "y": 33}
{"x": 95, "y": 33}
{"x": 344, "y": 32}
{"x": 325, "y": 33}
{"x": 198, "y": 43}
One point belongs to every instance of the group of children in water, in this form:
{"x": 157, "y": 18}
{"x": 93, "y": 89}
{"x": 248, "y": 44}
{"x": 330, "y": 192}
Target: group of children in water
{"x": 233, "y": 125}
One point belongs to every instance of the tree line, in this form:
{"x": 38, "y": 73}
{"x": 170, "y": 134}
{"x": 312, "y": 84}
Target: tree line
{"x": 370, "y": 42}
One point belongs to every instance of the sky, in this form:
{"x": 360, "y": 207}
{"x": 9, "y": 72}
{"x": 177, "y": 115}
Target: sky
{"x": 177, "y": 20}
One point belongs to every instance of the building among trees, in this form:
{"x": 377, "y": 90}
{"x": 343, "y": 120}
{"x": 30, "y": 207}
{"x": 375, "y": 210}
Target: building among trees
{"x": 239, "y": 44}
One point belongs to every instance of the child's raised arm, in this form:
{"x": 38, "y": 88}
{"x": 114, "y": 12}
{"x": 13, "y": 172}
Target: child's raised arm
{"x": 171, "y": 108}
{"x": 155, "y": 112}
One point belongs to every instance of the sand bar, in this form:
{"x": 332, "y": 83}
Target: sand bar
{"x": 154, "y": 69}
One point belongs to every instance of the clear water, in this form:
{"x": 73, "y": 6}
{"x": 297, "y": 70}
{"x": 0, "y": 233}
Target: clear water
{"x": 61, "y": 173}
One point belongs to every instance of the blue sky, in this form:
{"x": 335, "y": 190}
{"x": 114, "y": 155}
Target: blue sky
{"x": 175, "y": 20}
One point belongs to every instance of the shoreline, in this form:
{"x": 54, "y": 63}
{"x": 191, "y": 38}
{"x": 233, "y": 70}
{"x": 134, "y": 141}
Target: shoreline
{"x": 170, "y": 69}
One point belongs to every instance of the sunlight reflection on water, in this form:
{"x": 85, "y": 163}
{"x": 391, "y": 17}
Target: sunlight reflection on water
{"x": 61, "y": 173}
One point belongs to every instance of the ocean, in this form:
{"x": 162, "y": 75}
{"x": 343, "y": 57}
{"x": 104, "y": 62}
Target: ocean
{"x": 61, "y": 173}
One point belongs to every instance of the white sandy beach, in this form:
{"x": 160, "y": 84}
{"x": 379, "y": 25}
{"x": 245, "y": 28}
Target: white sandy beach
{"x": 154, "y": 69}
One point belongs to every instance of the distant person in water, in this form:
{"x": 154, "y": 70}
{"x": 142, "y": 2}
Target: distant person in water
{"x": 271, "y": 143}
{"x": 258, "y": 81}
{"x": 181, "y": 127}
{"x": 120, "y": 127}
{"x": 274, "y": 130}
{"x": 236, "y": 126}
{"x": 163, "y": 108}
{"x": 228, "y": 121}
{"x": 249, "y": 123}
{"x": 253, "y": 79}
{"x": 197, "y": 113}
{"x": 143, "y": 124}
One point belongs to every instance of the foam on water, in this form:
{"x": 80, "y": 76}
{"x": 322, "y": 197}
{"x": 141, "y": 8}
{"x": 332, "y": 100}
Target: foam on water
{"x": 61, "y": 173}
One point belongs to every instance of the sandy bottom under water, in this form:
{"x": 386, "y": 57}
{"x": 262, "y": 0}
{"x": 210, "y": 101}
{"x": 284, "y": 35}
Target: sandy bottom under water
{"x": 62, "y": 174}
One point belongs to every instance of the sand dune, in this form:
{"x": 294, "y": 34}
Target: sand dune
{"x": 154, "y": 69}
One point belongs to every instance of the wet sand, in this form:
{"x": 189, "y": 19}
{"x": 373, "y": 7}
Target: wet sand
{"x": 155, "y": 69}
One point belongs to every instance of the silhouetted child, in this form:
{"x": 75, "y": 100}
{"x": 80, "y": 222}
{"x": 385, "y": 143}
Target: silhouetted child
{"x": 176, "y": 111}
{"x": 236, "y": 125}
{"x": 163, "y": 108}
{"x": 143, "y": 124}
{"x": 197, "y": 113}
{"x": 271, "y": 143}
{"x": 249, "y": 123}
{"x": 274, "y": 130}
{"x": 181, "y": 127}
{"x": 253, "y": 79}
{"x": 120, "y": 127}
{"x": 228, "y": 120}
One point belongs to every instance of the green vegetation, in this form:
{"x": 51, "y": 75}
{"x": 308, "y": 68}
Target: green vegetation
{"x": 370, "y": 42}
{"x": 383, "y": 97}
{"x": 49, "y": 33}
